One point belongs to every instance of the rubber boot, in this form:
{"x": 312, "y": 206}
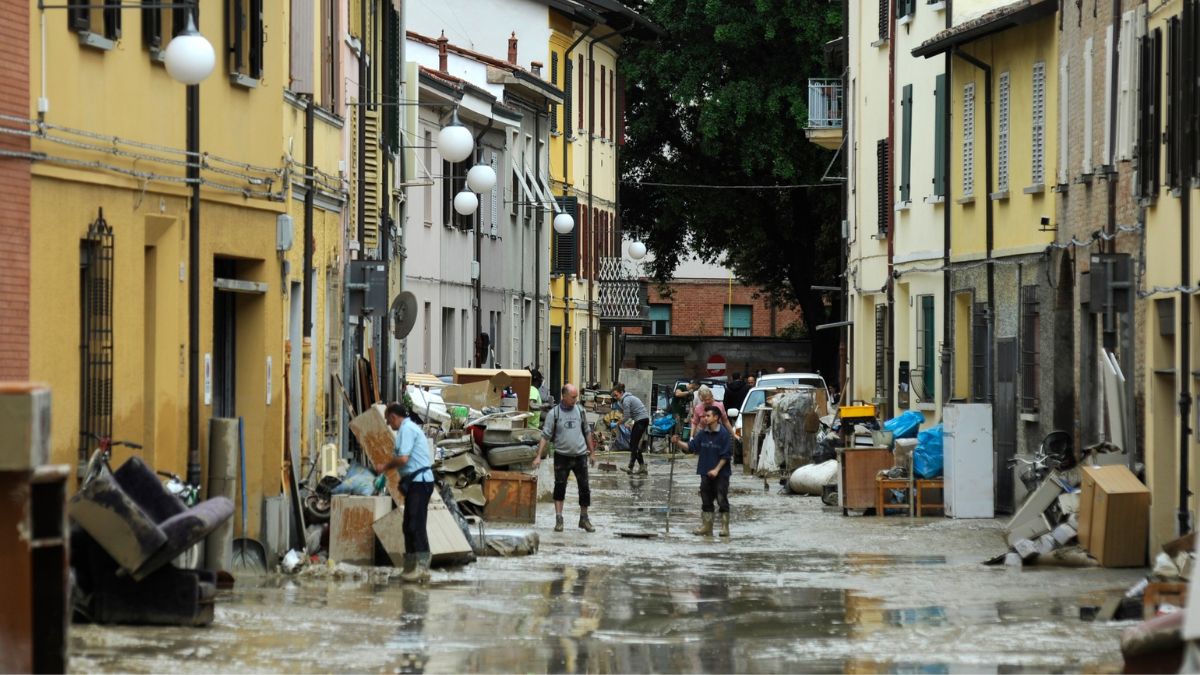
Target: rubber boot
{"x": 642, "y": 471}
{"x": 420, "y": 572}
{"x": 706, "y": 524}
{"x": 558, "y": 523}
{"x": 725, "y": 524}
{"x": 410, "y": 561}
{"x": 586, "y": 524}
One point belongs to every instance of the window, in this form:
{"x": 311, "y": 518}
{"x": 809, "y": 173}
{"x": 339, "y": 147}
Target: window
{"x": 1003, "y": 132}
{"x": 883, "y": 188}
{"x": 968, "y": 139}
{"x": 1128, "y": 52}
{"x": 96, "y": 18}
{"x": 603, "y": 105}
{"x": 981, "y": 345}
{"x": 881, "y": 369}
{"x": 939, "y": 137}
{"x": 1064, "y": 103}
{"x": 568, "y": 98}
{"x": 906, "y": 102}
{"x": 905, "y": 8}
{"x": 1173, "y": 138}
{"x": 427, "y": 188}
{"x": 1149, "y": 115}
{"x": 96, "y": 331}
{"x": 554, "y": 81}
{"x": 885, "y": 20}
{"x": 331, "y": 49}
{"x": 244, "y": 32}
{"x": 1030, "y": 347}
{"x": 660, "y": 320}
{"x": 737, "y": 320}
{"x": 454, "y": 177}
{"x": 159, "y": 26}
{"x": 923, "y": 379}
{"x": 1038, "y": 126}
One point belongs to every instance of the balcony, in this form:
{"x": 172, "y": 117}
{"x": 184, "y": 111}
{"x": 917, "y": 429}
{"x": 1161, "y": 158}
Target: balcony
{"x": 825, "y": 112}
{"x": 622, "y": 296}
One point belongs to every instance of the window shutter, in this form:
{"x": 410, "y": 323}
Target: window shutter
{"x": 554, "y": 81}
{"x": 1109, "y": 103}
{"x": 612, "y": 104}
{"x": 1088, "y": 132}
{"x": 256, "y": 39}
{"x": 1038, "y": 174}
{"x": 355, "y": 27}
{"x": 566, "y": 250}
{"x": 939, "y": 141}
{"x": 883, "y": 189}
{"x": 1171, "y": 138}
{"x": 370, "y": 189}
{"x": 582, "y": 89}
{"x": 881, "y": 370}
{"x": 568, "y": 98}
{"x": 112, "y": 19}
{"x": 927, "y": 360}
{"x": 391, "y": 76}
{"x": 151, "y": 25}
{"x": 968, "y": 136}
{"x": 79, "y": 15}
{"x": 906, "y": 147}
{"x": 301, "y": 47}
{"x": 603, "y": 106}
{"x": 885, "y": 18}
{"x": 980, "y": 352}
{"x": 619, "y": 123}
{"x": 1064, "y": 107}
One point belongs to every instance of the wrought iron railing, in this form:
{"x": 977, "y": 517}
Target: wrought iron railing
{"x": 824, "y": 103}
{"x": 621, "y": 293}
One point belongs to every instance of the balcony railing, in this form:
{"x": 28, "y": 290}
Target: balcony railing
{"x": 622, "y": 296}
{"x": 825, "y": 103}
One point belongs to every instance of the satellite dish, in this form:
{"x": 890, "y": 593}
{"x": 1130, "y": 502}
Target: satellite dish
{"x": 404, "y": 314}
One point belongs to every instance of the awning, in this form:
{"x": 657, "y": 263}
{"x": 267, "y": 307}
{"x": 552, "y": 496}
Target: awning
{"x": 997, "y": 20}
{"x": 527, "y": 194}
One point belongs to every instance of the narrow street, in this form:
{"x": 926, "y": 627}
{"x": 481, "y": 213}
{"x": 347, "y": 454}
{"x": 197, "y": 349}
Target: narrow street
{"x": 798, "y": 587}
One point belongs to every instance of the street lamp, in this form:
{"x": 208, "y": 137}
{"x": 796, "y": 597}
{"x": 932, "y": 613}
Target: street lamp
{"x": 465, "y": 203}
{"x": 455, "y": 141}
{"x": 564, "y": 223}
{"x": 190, "y": 57}
{"x": 481, "y": 178}
{"x": 637, "y": 250}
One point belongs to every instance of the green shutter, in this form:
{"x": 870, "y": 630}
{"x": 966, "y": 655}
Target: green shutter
{"x": 906, "y": 146}
{"x": 927, "y": 356}
{"x": 568, "y": 99}
{"x": 939, "y": 140}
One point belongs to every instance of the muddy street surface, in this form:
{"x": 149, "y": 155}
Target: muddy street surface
{"x": 798, "y": 587}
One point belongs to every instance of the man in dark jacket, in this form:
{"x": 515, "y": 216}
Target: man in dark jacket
{"x": 713, "y": 447}
{"x": 735, "y": 392}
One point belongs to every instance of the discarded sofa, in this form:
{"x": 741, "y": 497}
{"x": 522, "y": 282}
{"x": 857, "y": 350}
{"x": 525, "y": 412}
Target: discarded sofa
{"x": 126, "y": 530}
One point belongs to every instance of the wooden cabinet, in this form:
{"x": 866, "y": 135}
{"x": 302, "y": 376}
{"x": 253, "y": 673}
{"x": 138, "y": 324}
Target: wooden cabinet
{"x": 856, "y": 475}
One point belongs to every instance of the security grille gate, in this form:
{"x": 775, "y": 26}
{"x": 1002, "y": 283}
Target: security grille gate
{"x": 95, "y": 336}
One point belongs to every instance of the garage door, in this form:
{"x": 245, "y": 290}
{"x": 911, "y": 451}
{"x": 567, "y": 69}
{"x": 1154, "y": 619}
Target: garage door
{"x": 666, "y": 371}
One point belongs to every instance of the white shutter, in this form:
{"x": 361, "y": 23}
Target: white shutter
{"x": 1088, "y": 130}
{"x": 516, "y": 332}
{"x": 968, "y": 138}
{"x": 1126, "y": 57}
{"x": 493, "y": 214}
{"x": 1109, "y": 102}
{"x": 1003, "y": 131}
{"x": 1064, "y": 108}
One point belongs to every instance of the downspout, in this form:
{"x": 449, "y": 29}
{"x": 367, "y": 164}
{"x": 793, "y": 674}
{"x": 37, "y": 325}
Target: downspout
{"x": 1186, "y": 168}
{"x": 566, "y": 338}
{"x": 591, "y": 137}
{"x": 947, "y": 304}
{"x": 479, "y": 250}
{"x": 311, "y": 187}
{"x": 194, "y": 379}
{"x": 537, "y": 253}
{"x": 888, "y": 350}
{"x": 402, "y": 208}
{"x": 1110, "y": 167}
{"x": 991, "y": 271}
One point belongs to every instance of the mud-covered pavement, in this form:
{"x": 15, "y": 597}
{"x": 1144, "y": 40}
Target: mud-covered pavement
{"x": 798, "y": 587}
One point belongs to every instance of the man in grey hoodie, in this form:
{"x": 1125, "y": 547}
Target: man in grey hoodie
{"x": 566, "y": 425}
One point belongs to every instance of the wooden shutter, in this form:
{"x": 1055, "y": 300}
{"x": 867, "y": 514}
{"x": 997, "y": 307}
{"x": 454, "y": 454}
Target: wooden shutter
{"x": 566, "y": 248}
{"x": 301, "y": 47}
{"x": 568, "y": 99}
{"x": 371, "y": 191}
{"x": 968, "y": 136}
{"x": 581, "y": 90}
{"x": 1110, "y": 103}
{"x": 1064, "y": 107}
{"x": 151, "y": 25}
{"x": 79, "y": 15}
{"x": 391, "y": 77}
{"x": 554, "y": 81}
{"x": 885, "y": 19}
{"x": 883, "y": 187}
{"x": 603, "y": 105}
{"x": 881, "y": 369}
{"x": 980, "y": 353}
{"x": 1088, "y": 132}
{"x": 355, "y": 27}
{"x": 906, "y": 145}
{"x": 939, "y": 140}
{"x": 927, "y": 356}
{"x": 1038, "y": 140}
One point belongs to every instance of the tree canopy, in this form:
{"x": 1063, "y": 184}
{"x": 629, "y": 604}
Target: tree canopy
{"x": 721, "y": 99}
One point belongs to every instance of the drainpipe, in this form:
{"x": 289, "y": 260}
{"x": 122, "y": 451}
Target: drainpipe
{"x": 479, "y": 250}
{"x": 891, "y": 216}
{"x": 987, "y": 117}
{"x": 566, "y": 341}
{"x": 538, "y": 250}
{"x": 194, "y": 378}
{"x": 947, "y": 305}
{"x": 1185, "y": 336}
{"x": 591, "y": 137}
{"x": 310, "y": 184}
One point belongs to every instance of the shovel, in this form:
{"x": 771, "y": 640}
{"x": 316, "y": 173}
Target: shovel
{"x": 248, "y": 554}
{"x": 670, "y": 485}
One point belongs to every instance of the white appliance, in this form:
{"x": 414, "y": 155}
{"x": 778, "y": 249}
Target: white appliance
{"x": 967, "y": 441}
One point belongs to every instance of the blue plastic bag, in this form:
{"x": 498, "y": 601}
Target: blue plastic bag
{"x": 621, "y": 442}
{"x": 927, "y": 456}
{"x": 664, "y": 425}
{"x": 906, "y": 425}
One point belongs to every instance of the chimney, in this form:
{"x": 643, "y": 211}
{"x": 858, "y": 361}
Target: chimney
{"x": 535, "y": 67}
{"x": 443, "y": 59}
{"x": 512, "y": 48}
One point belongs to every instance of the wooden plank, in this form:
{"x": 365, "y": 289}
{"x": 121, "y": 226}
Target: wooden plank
{"x": 337, "y": 379}
{"x": 446, "y": 539}
{"x": 378, "y": 442}
{"x": 375, "y": 384}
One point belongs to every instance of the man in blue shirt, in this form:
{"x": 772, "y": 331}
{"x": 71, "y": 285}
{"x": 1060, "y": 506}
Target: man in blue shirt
{"x": 713, "y": 446}
{"x": 416, "y": 484}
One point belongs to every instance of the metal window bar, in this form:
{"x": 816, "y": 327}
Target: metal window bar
{"x": 980, "y": 353}
{"x": 824, "y": 103}
{"x": 1030, "y": 347}
{"x": 95, "y": 335}
{"x": 881, "y": 386}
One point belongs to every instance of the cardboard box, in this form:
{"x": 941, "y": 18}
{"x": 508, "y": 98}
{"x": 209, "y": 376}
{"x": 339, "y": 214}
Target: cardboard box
{"x": 481, "y": 387}
{"x": 1114, "y": 514}
{"x": 351, "y": 537}
{"x": 25, "y": 419}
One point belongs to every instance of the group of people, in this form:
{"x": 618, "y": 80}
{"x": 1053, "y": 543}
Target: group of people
{"x": 566, "y": 429}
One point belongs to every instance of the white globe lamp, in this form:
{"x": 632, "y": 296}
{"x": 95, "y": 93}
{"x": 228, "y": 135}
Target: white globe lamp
{"x": 465, "y": 203}
{"x": 455, "y": 141}
{"x": 190, "y": 57}
{"x": 637, "y": 250}
{"x": 481, "y": 178}
{"x": 564, "y": 223}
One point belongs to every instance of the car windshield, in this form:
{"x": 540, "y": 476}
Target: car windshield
{"x": 786, "y": 380}
{"x": 754, "y": 400}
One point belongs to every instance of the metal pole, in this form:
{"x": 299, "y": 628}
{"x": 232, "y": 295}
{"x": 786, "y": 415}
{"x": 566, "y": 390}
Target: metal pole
{"x": 194, "y": 377}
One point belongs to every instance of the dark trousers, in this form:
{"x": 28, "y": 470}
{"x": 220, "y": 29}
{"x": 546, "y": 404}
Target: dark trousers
{"x": 635, "y": 442}
{"x": 416, "y": 511}
{"x": 714, "y": 489}
{"x": 564, "y": 465}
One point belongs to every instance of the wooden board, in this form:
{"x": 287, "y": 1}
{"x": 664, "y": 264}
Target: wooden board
{"x": 351, "y": 537}
{"x": 859, "y": 466}
{"x": 446, "y": 539}
{"x": 378, "y": 442}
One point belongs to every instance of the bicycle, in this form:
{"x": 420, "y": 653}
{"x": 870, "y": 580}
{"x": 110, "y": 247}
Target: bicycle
{"x": 1054, "y": 453}
{"x": 103, "y": 453}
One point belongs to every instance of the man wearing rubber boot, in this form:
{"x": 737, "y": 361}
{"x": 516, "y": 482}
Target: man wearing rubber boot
{"x": 566, "y": 425}
{"x": 416, "y": 484}
{"x": 713, "y": 446}
{"x": 636, "y": 414}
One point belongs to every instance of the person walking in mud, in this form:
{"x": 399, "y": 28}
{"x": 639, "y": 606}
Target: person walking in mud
{"x": 416, "y": 484}
{"x": 636, "y": 414}
{"x": 566, "y": 426}
{"x": 713, "y": 447}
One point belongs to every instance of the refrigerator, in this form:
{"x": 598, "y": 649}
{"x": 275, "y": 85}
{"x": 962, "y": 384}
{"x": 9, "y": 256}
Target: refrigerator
{"x": 967, "y": 444}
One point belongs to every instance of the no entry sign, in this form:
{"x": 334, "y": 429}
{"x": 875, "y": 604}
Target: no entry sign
{"x": 716, "y": 365}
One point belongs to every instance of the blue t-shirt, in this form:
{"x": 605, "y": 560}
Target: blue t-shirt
{"x": 410, "y": 441}
{"x": 710, "y": 447}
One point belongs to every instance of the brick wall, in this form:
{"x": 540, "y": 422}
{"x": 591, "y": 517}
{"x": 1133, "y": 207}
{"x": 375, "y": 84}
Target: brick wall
{"x": 14, "y": 194}
{"x": 698, "y": 308}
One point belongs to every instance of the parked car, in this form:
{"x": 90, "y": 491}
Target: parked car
{"x": 806, "y": 379}
{"x": 756, "y": 398}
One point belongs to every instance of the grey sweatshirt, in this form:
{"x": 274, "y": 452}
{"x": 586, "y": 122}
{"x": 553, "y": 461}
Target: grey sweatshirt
{"x": 566, "y": 429}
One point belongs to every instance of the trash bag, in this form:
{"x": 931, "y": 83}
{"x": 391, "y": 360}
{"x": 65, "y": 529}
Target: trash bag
{"x": 905, "y": 425}
{"x": 927, "y": 457}
{"x": 359, "y": 481}
{"x": 621, "y": 440}
{"x": 663, "y": 425}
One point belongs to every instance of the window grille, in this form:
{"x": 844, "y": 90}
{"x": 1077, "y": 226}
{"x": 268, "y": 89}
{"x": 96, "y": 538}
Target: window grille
{"x": 95, "y": 335}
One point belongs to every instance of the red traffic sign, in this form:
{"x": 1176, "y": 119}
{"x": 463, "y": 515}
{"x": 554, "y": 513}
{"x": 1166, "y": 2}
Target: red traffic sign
{"x": 716, "y": 365}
